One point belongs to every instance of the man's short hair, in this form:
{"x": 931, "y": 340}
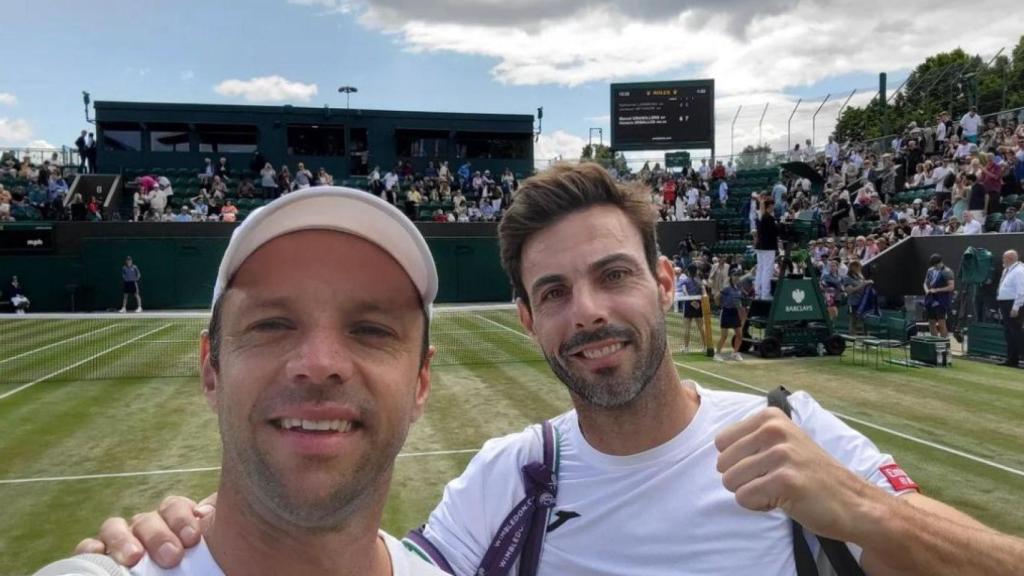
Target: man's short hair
{"x": 550, "y": 196}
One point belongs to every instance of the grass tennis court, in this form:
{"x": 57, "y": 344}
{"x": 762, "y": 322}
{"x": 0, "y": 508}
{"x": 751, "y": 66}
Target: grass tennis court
{"x": 104, "y": 417}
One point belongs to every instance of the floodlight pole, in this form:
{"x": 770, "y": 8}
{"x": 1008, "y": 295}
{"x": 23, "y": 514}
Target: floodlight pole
{"x": 848, "y": 98}
{"x": 732, "y": 135}
{"x": 348, "y": 91}
{"x": 760, "y": 137}
{"x": 789, "y": 126}
{"x": 814, "y": 119}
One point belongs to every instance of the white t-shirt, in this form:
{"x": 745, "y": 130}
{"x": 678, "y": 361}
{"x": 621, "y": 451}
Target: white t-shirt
{"x": 199, "y": 562}
{"x": 663, "y": 511}
{"x": 970, "y": 124}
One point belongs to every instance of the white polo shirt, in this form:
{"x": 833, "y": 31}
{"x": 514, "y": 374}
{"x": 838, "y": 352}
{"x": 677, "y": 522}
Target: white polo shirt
{"x": 1011, "y": 285}
{"x": 664, "y": 511}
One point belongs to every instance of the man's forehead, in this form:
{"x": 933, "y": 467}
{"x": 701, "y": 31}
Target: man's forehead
{"x": 579, "y": 240}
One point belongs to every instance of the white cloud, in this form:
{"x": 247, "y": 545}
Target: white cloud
{"x": 604, "y": 120}
{"x": 267, "y": 89}
{"x": 329, "y": 6}
{"x": 40, "y": 144}
{"x": 558, "y": 145}
{"x": 187, "y": 75}
{"x": 15, "y": 131}
{"x": 8, "y": 99}
{"x": 769, "y": 46}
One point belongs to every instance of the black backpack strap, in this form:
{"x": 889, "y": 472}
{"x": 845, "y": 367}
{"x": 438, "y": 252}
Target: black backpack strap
{"x": 838, "y": 553}
{"x": 521, "y": 534}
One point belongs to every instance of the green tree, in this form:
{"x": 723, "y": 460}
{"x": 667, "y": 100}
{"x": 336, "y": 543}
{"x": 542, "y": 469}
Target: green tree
{"x": 948, "y": 81}
{"x": 604, "y": 156}
{"x": 753, "y": 157}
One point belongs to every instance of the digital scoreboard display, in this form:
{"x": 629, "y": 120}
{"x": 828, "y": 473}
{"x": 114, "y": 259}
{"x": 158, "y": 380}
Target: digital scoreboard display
{"x": 663, "y": 115}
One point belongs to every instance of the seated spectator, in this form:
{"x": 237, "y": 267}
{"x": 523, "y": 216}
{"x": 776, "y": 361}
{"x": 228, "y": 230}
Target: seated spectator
{"x": 473, "y": 213}
{"x": 953, "y": 226}
{"x": 77, "y": 207}
{"x": 218, "y": 185}
{"x": 5, "y": 205}
{"x": 268, "y": 177}
{"x": 971, "y": 224}
{"x": 215, "y": 202}
{"x": 439, "y": 216}
{"x": 183, "y": 215}
{"x": 94, "y": 210}
{"x": 14, "y": 294}
{"x": 229, "y": 213}
{"x": 200, "y": 205}
{"x": 303, "y": 177}
{"x": 140, "y": 205}
{"x": 487, "y": 212}
{"x": 1011, "y": 224}
{"x": 246, "y": 189}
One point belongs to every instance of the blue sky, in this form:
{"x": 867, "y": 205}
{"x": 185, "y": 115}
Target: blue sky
{"x": 444, "y": 57}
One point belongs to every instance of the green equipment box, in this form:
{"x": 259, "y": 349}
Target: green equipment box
{"x": 930, "y": 350}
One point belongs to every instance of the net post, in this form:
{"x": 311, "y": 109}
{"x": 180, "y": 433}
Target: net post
{"x": 705, "y": 308}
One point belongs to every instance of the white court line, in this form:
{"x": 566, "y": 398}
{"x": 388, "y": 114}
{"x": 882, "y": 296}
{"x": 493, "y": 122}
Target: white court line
{"x": 79, "y": 363}
{"x": 896, "y": 433}
{"x": 56, "y": 344}
{"x": 503, "y": 327}
{"x": 905, "y": 436}
{"x": 193, "y": 470}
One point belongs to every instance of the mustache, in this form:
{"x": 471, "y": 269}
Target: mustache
{"x": 315, "y": 394}
{"x": 609, "y": 332}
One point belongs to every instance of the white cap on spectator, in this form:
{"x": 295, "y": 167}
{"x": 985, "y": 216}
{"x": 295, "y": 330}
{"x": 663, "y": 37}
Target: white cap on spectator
{"x": 334, "y": 208}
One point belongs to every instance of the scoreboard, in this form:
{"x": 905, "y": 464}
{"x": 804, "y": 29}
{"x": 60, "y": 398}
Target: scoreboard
{"x": 663, "y": 115}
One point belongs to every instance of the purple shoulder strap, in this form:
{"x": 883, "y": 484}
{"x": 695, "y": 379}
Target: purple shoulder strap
{"x": 521, "y": 534}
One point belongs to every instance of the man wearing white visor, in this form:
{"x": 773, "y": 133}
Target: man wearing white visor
{"x": 317, "y": 363}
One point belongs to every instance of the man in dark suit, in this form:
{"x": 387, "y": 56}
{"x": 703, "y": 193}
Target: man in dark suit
{"x": 82, "y": 151}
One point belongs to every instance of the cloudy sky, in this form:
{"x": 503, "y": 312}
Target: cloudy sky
{"x": 502, "y": 56}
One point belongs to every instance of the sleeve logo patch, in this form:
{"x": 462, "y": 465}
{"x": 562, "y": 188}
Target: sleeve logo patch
{"x": 898, "y": 479}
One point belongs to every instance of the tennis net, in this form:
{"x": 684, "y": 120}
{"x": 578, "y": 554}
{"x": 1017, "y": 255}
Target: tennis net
{"x": 76, "y": 347}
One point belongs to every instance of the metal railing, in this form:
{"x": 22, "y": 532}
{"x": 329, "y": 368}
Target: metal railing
{"x": 66, "y": 156}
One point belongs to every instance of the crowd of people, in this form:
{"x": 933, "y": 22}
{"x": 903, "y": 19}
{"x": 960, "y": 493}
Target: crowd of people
{"x": 41, "y": 191}
{"x": 463, "y": 195}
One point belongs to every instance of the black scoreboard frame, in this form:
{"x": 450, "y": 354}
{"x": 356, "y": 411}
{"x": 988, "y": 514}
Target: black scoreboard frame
{"x": 667, "y": 144}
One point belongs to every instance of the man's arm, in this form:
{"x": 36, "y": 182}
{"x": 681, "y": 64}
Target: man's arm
{"x": 918, "y": 535}
{"x": 769, "y": 462}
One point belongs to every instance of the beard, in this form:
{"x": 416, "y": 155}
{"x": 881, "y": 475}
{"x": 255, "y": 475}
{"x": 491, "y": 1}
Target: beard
{"x": 612, "y": 387}
{"x": 278, "y": 494}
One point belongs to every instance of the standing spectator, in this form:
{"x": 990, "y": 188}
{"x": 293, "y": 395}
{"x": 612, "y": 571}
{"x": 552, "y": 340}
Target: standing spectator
{"x": 1011, "y": 223}
{"x": 284, "y": 180}
{"x": 208, "y": 172}
{"x": 257, "y": 162}
{"x": 268, "y": 179}
{"x": 977, "y": 199}
{"x": 832, "y": 150}
{"x": 303, "y": 177}
{"x": 444, "y": 179}
{"x": 130, "y": 277}
{"x": 222, "y": 170}
{"x": 1011, "y": 298}
{"x": 704, "y": 170}
{"x": 765, "y": 245}
{"x": 942, "y": 133}
{"x": 83, "y": 151}
{"x": 856, "y": 287}
{"x": 391, "y": 188}
{"x": 323, "y": 178}
{"x": 938, "y": 290}
{"x": 970, "y": 124}
{"x": 90, "y": 152}
{"x": 14, "y": 294}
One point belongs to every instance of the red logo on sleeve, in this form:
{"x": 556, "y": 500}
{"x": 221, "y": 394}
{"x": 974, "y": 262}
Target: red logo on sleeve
{"x": 898, "y": 479}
